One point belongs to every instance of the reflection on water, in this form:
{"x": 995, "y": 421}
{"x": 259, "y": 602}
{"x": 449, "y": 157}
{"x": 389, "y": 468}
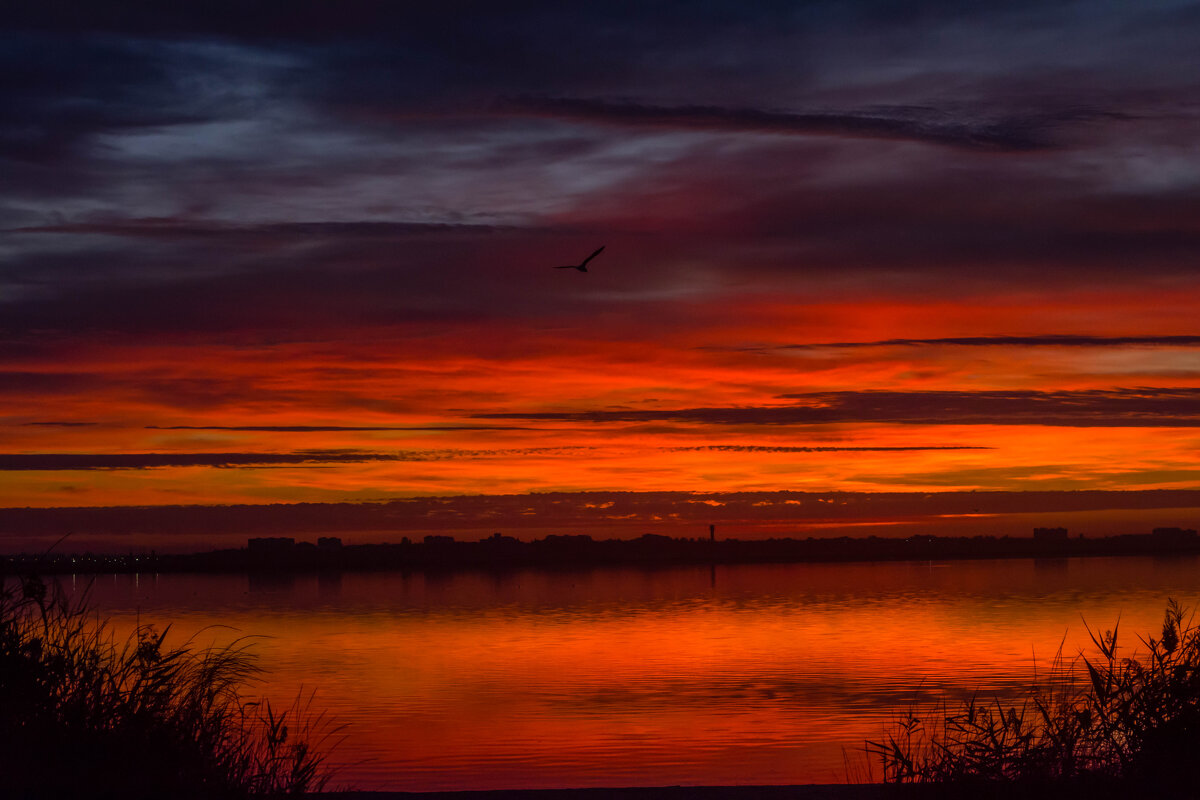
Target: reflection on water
{"x": 618, "y": 677}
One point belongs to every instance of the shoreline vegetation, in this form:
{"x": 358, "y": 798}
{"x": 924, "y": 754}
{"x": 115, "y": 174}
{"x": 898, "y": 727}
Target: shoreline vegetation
{"x": 499, "y": 552}
{"x": 84, "y": 714}
{"x": 1104, "y": 724}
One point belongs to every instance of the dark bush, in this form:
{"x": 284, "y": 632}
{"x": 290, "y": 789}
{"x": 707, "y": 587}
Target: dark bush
{"x": 85, "y": 715}
{"x": 1106, "y": 724}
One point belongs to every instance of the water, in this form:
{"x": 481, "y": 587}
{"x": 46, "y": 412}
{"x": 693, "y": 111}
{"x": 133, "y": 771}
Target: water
{"x": 625, "y": 677}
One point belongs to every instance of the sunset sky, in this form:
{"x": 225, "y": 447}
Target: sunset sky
{"x": 274, "y": 253}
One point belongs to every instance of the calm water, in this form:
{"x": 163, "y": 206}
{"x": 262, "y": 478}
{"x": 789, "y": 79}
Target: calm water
{"x": 617, "y": 677}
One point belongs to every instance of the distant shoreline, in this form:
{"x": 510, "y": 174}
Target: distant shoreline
{"x": 505, "y": 553}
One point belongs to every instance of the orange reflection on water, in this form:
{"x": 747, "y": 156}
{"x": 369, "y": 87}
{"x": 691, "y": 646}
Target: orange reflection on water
{"x": 751, "y": 674}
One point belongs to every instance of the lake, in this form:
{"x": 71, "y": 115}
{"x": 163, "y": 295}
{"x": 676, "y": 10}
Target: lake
{"x": 624, "y": 677}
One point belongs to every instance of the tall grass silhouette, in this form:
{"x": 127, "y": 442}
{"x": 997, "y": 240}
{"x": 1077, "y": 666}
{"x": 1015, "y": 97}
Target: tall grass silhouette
{"x": 86, "y": 714}
{"x": 1107, "y": 722}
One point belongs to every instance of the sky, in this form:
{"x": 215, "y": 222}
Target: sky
{"x": 302, "y": 253}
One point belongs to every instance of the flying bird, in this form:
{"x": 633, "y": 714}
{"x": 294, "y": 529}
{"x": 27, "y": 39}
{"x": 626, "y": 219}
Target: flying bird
{"x": 582, "y": 266}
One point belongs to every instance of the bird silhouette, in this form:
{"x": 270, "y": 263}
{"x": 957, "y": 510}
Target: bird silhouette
{"x": 582, "y": 266}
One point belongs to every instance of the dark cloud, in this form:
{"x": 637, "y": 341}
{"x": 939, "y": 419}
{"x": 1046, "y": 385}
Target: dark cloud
{"x": 911, "y": 222}
{"x": 1048, "y": 340}
{"x": 764, "y": 220}
{"x": 58, "y": 91}
{"x": 635, "y": 512}
{"x": 309, "y": 21}
{"x": 176, "y": 228}
{"x": 173, "y": 277}
{"x": 928, "y": 125}
{"x": 54, "y": 424}
{"x": 1149, "y": 407}
{"x": 110, "y": 461}
{"x": 18, "y": 382}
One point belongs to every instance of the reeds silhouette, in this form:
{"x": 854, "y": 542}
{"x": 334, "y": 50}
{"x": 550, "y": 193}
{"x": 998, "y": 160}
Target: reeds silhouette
{"x": 1106, "y": 724}
{"x": 85, "y": 714}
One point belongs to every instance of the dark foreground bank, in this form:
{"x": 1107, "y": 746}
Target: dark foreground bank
{"x": 876, "y": 791}
{"x": 1093, "y": 790}
{"x": 822, "y": 792}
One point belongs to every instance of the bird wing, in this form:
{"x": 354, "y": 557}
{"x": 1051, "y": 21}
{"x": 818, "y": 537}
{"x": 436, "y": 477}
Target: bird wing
{"x": 593, "y": 255}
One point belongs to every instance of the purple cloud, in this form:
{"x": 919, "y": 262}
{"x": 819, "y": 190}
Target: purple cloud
{"x": 1147, "y": 407}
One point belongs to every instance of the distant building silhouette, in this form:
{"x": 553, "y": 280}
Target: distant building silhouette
{"x": 1173, "y": 535}
{"x": 271, "y": 544}
{"x": 1050, "y": 535}
{"x": 283, "y": 553}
